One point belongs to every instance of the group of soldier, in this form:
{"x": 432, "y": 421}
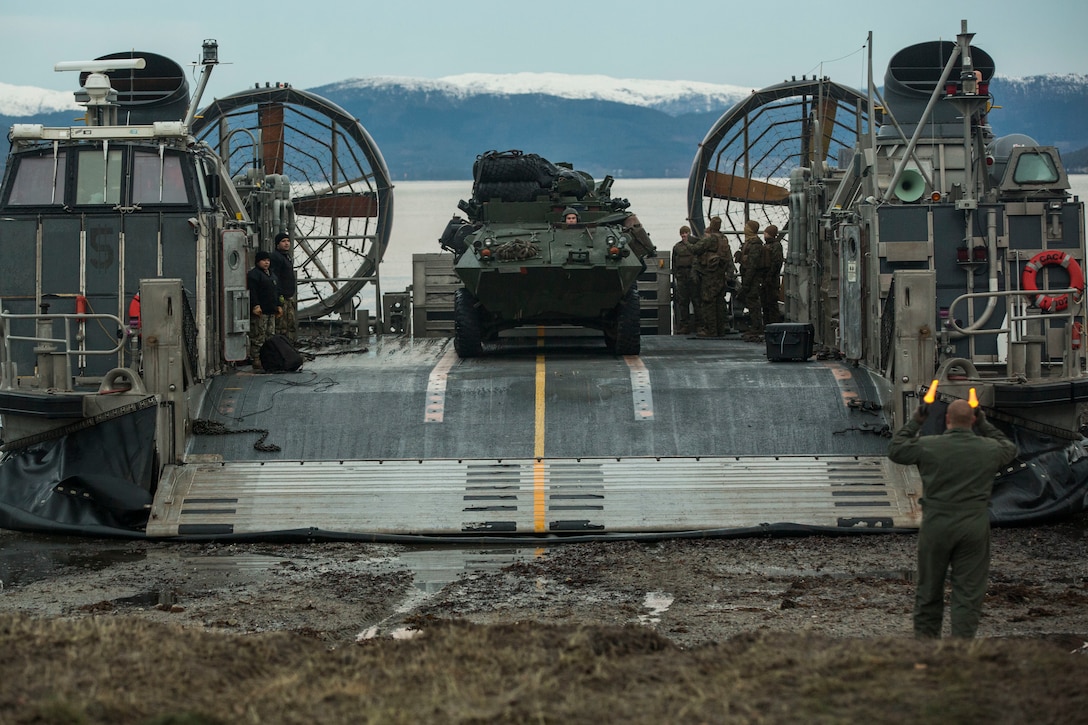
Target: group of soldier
{"x": 710, "y": 281}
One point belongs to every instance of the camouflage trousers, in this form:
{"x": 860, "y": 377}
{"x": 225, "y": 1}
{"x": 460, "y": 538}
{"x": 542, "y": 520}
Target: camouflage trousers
{"x": 684, "y": 293}
{"x": 751, "y": 291}
{"x": 287, "y": 323}
{"x": 712, "y": 311}
{"x": 261, "y": 327}
{"x": 770, "y": 290}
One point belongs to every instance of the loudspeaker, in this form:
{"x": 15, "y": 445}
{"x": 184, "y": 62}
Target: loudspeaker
{"x": 911, "y": 186}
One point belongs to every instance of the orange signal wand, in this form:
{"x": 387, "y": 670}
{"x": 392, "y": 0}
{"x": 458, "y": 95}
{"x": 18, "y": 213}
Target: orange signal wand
{"x": 972, "y": 399}
{"x": 931, "y": 394}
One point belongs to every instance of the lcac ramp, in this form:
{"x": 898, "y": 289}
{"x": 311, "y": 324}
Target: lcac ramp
{"x": 540, "y": 438}
{"x": 535, "y": 498}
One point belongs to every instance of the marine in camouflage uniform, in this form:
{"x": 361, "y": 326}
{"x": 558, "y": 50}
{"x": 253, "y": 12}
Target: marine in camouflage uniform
{"x": 958, "y": 469}
{"x": 751, "y": 280}
{"x": 773, "y": 259}
{"x": 263, "y": 305}
{"x": 283, "y": 268}
{"x": 715, "y": 273}
{"x": 683, "y": 281}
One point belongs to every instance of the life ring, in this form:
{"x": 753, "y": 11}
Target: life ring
{"x": 1057, "y": 257}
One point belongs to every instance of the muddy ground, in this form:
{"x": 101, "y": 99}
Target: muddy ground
{"x": 690, "y": 591}
{"x": 687, "y": 595}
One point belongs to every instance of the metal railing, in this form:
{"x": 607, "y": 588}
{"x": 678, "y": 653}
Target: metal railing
{"x": 1014, "y": 331}
{"x": 49, "y": 345}
{"x": 1018, "y": 317}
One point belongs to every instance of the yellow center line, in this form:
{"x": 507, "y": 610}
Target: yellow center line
{"x": 539, "y": 487}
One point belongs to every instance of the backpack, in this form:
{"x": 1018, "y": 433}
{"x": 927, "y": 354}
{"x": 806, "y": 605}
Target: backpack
{"x": 277, "y": 355}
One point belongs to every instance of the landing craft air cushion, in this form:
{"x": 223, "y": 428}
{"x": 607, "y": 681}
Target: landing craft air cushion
{"x": 152, "y": 427}
{"x": 922, "y": 246}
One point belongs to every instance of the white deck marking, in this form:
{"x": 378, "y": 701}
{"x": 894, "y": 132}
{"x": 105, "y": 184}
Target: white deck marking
{"x": 640, "y": 388}
{"x": 436, "y": 387}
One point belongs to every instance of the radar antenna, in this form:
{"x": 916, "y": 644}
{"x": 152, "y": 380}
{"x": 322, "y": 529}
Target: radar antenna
{"x": 97, "y": 94}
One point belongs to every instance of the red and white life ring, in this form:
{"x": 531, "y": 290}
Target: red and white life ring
{"x": 1052, "y": 303}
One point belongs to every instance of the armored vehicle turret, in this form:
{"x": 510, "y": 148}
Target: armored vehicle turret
{"x": 544, "y": 244}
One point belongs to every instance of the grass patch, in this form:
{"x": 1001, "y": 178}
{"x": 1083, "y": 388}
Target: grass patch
{"x": 110, "y": 670}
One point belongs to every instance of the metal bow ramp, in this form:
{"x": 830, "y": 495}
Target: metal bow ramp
{"x": 540, "y": 439}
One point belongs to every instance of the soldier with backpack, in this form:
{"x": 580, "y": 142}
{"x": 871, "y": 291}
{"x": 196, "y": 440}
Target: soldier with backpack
{"x": 714, "y": 274}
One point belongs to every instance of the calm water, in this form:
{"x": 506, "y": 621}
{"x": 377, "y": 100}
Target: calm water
{"x": 422, "y": 208}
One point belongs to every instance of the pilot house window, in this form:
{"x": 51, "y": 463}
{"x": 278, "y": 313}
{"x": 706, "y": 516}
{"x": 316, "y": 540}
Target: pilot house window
{"x": 1035, "y": 169}
{"x": 39, "y": 180}
{"x": 157, "y": 180}
{"x": 99, "y": 179}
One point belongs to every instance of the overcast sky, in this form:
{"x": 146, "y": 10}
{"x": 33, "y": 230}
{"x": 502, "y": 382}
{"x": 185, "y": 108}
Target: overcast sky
{"x": 744, "y": 43}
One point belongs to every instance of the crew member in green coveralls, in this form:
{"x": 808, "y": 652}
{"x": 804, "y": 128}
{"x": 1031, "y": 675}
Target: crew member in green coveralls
{"x": 958, "y": 469}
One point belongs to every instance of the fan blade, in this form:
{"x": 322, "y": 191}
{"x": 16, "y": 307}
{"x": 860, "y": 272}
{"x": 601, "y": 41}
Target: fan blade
{"x": 337, "y": 205}
{"x": 270, "y": 116}
{"x": 739, "y": 188}
{"x": 828, "y": 109}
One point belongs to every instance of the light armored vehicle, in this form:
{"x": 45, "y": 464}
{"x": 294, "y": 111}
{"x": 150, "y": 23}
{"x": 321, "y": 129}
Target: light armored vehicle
{"x": 523, "y": 263}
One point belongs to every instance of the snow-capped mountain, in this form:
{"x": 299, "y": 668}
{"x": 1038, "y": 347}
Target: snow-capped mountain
{"x": 671, "y": 97}
{"x": 435, "y": 128}
{"x": 30, "y": 101}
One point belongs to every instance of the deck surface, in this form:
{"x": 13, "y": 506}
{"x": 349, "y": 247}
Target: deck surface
{"x": 547, "y": 435}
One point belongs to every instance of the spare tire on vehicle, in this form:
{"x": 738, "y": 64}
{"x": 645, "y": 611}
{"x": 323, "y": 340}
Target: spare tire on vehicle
{"x": 499, "y": 166}
{"x": 507, "y": 191}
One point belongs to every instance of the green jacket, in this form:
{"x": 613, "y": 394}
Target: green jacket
{"x": 714, "y": 256}
{"x": 957, "y": 467}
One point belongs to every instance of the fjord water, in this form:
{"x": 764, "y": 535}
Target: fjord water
{"x": 421, "y": 210}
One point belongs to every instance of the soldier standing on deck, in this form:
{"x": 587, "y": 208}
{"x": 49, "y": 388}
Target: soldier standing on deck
{"x": 773, "y": 259}
{"x": 751, "y": 280}
{"x": 683, "y": 281}
{"x": 715, "y": 274}
{"x": 283, "y": 268}
{"x": 263, "y": 305}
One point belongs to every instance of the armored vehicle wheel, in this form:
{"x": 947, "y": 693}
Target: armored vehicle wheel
{"x": 625, "y": 338}
{"x": 467, "y": 325}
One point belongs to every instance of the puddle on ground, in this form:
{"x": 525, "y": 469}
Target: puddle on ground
{"x": 26, "y": 558}
{"x": 658, "y": 603}
{"x": 397, "y": 633}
